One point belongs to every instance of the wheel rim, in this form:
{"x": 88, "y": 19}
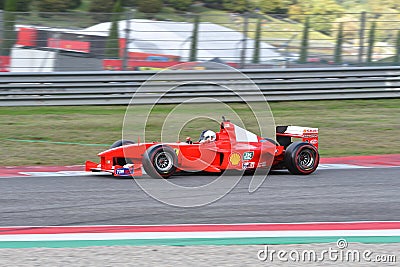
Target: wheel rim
{"x": 163, "y": 161}
{"x": 306, "y": 159}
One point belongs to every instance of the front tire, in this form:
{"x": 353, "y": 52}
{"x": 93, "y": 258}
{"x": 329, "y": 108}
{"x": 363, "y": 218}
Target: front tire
{"x": 301, "y": 158}
{"x": 122, "y": 142}
{"x": 160, "y": 161}
{"x": 121, "y": 161}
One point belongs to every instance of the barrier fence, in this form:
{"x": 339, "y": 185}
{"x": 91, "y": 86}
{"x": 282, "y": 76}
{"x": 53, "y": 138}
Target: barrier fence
{"x": 117, "y": 88}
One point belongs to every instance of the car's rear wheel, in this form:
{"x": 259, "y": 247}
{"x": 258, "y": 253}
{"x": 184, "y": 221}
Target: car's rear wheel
{"x": 160, "y": 161}
{"x": 301, "y": 158}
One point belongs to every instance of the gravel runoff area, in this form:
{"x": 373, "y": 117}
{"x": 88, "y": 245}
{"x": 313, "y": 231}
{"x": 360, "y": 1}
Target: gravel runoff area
{"x": 236, "y": 255}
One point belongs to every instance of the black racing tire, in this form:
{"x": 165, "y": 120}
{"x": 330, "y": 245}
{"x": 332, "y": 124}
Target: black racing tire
{"x": 301, "y": 158}
{"x": 160, "y": 161}
{"x": 121, "y": 143}
{"x": 121, "y": 161}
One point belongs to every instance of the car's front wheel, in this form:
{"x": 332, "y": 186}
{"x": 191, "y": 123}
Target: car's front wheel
{"x": 119, "y": 143}
{"x": 160, "y": 161}
{"x": 122, "y": 142}
{"x": 301, "y": 158}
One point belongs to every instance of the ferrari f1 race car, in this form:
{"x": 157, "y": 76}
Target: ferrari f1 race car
{"x": 232, "y": 148}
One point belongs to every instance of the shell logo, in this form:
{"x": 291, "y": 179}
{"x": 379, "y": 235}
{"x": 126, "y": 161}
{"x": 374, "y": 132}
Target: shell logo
{"x": 235, "y": 158}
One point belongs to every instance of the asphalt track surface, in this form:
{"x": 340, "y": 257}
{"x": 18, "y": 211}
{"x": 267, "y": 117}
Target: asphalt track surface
{"x": 327, "y": 195}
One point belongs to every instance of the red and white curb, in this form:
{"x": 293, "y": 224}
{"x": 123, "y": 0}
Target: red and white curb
{"x": 222, "y": 234}
{"x": 377, "y": 161}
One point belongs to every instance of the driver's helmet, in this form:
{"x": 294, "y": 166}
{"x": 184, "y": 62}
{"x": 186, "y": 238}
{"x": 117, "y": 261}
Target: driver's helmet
{"x": 208, "y": 135}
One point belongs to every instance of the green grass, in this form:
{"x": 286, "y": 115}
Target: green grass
{"x": 349, "y": 127}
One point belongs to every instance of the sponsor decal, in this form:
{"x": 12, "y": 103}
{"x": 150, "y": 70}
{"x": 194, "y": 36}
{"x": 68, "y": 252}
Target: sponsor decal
{"x": 310, "y": 135}
{"x": 310, "y": 131}
{"x": 128, "y": 169}
{"x": 248, "y": 155}
{"x": 120, "y": 171}
{"x": 262, "y": 164}
{"x": 234, "y": 159}
{"x": 313, "y": 142}
{"x": 248, "y": 165}
{"x": 123, "y": 171}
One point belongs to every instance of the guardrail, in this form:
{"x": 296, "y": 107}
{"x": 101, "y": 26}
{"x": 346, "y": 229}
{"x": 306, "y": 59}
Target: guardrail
{"x": 111, "y": 88}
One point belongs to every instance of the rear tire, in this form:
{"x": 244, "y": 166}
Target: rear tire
{"x": 160, "y": 161}
{"x": 301, "y": 158}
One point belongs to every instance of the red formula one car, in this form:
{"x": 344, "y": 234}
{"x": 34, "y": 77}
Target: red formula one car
{"x": 232, "y": 148}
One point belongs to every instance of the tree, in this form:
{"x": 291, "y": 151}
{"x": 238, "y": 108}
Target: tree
{"x": 397, "y": 55}
{"x": 182, "y": 5}
{"x": 323, "y": 12}
{"x": 74, "y": 4}
{"x": 273, "y": 6}
{"x": 112, "y": 44}
{"x": 149, "y": 6}
{"x": 9, "y": 34}
{"x": 304, "y": 42}
{"x": 128, "y": 3}
{"x": 23, "y": 5}
{"x": 371, "y": 42}
{"x": 217, "y": 4}
{"x": 339, "y": 45}
{"x": 102, "y": 9}
{"x": 257, "y": 40}
{"x": 101, "y": 6}
{"x": 382, "y": 6}
{"x": 235, "y": 5}
{"x": 195, "y": 34}
{"x": 52, "y": 6}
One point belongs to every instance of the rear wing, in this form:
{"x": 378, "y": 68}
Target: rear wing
{"x": 284, "y": 135}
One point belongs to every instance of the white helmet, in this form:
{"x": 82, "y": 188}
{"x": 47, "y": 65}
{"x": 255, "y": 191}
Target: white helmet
{"x": 208, "y": 135}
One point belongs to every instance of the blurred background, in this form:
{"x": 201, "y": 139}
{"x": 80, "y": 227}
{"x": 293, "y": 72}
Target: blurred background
{"x": 57, "y": 35}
